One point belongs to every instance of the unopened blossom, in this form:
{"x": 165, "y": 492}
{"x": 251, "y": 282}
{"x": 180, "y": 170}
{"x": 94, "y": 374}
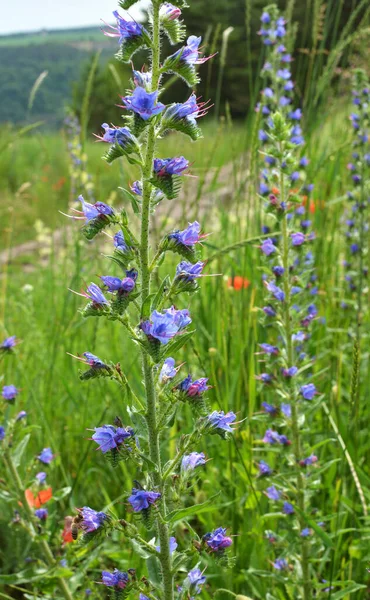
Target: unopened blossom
{"x": 288, "y": 508}
{"x": 21, "y": 415}
{"x": 116, "y": 284}
{"x": 264, "y": 469}
{"x": 193, "y": 388}
{"x": 268, "y": 349}
{"x": 169, "y": 12}
{"x": 141, "y": 499}
{"x": 119, "y": 242}
{"x": 310, "y": 460}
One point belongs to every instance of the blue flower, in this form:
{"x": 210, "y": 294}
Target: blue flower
{"x": 272, "y": 493}
{"x": 190, "y": 110}
{"x": 125, "y": 29}
{"x": 9, "y": 392}
{"x": 116, "y": 135}
{"x": 265, "y": 377}
{"x": 115, "y": 284}
{"x": 142, "y": 78}
{"x": 41, "y": 513}
{"x": 308, "y": 391}
{"x": 268, "y": 247}
{"x": 217, "y": 540}
{"x": 278, "y": 271}
{"x": 189, "y": 236}
{"x": 298, "y": 238}
{"x": 275, "y": 291}
{"x": 269, "y": 311}
{"x": 119, "y": 242}
{"x": 264, "y": 469}
{"x": 288, "y": 509}
{"x": 188, "y": 272}
{"x": 310, "y": 460}
{"x": 141, "y": 499}
{"x": 46, "y": 456}
{"x": 117, "y": 579}
{"x": 283, "y": 74}
{"x": 189, "y": 54}
{"x": 109, "y": 437}
{"x": 170, "y": 166}
{"x": 286, "y": 409}
{"x": 270, "y": 409}
{"x": 2, "y": 433}
{"x": 92, "y": 520}
{"x": 173, "y": 545}
{"x": 220, "y": 420}
{"x": 306, "y": 532}
{"x": 268, "y": 349}
{"x": 41, "y": 477}
{"x": 193, "y": 388}
{"x": 280, "y": 564}
{"x": 295, "y": 115}
{"x": 99, "y": 210}
{"x": 265, "y": 18}
{"x": 9, "y": 343}
{"x": 290, "y": 372}
{"x": 164, "y": 326}
{"x": 196, "y": 578}
{"x": 168, "y": 370}
{"x": 273, "y": 437}
{"x": 95, "y": 294}
{"x": 21, "y": 415}
{"x": 143, "y": 103}
{"x": 193, "y": 460}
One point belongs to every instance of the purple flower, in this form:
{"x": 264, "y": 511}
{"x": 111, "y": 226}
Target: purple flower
{"x": 115, "y": 284}
{"x": 21, "y": 415}
{"x": 116, "y": 135}
{"x": 284, "y": 74}
{"x": 119, "y": 242}
{"x": 299, "y": 337}
{"x": 168, "y": 370}
{"x": 41, "y": 513}
{"x": 308, "y": 391}
{"x": 269, "y": 311}
{"x": 288, "y": 509}
{"x": 46, "y": 456}
{"x": 268, "y": 349}
{"x": 95, "y": 294}
{"x": 217, "y": 540}
{"x": 275, "y": 291}
{"x": 220, "y": 420}
{"x": 298, "y": 238}
{"x": 125, "y": 29}
{"x": 109, "y": 437}
{"x": 189, "y": 54}
{"x": 262, "y": 136}
{"x": 116, "y": 579}
{"x": 9, "y": 343}
{"x": 143, "y": 103}
{"x": 280, "y": 564}
{"x": 196, "y": 578}
{"x": 278, "y": 271}
{"x": 286, "y": 409}
{"x": 304, "y": 161}
{"x": 306, "y": 532}
{"x": 268, "y": 247}
{"x": 99, "y": 210}
{"x": 265, "y": 377}
{"x": 193, "y": 460}
{"x": 141, "y": 499}
{"x": 193, "y": 388}
{"x": 93, "y": 361}
{"x": 2, "y": 433}
{"x": 295, "y": 115}
{"x": 10, "y": 392}
{"x": 272, "y": 493}
{"x": 188, "y": 272}
{"x": 41, "y": 477}
{"x": 265, "y": 18}
{"x": 142, "y": 78}
{"x": 273, "y": 437}
{"x": 189, "y": 236}
{"x": 173, "y": 545}
{"x": 310, "y": 460}
{"x": 264, "y": 469}
{"x": 164, "y": 326}
{"x": 190, "y": 110}
{"x": 164, "y": 167}
{"x": 270, "y": 409}
{"x": 91, "y": 519}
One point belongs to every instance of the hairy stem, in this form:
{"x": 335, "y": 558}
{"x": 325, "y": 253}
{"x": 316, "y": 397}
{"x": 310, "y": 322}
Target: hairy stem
{"x": 151, "y": 412}
{"x": 295, "y": 425}
{"x": 50, "y": 560}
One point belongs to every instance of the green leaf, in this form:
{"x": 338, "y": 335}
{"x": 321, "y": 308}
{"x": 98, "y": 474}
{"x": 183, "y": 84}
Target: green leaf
{"x": 158, "y": 296}
{"x": 184, "y": 513}
{"x": 146, "y": 307}
{"x": 138, "y": 421}
{"x": 154, "y": 570}
{"x": 317, "y": 529}
{"x": 348, "y": 590}
{"x": 62, "y": 493}
{"x": 19, "y": 450}
{"x": 177, "y": 343}
{"x": 25, "y": 576}
{"x": 140, "y": 550}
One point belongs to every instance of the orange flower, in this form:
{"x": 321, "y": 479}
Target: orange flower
{"x": 237, "y": 282}
{"x": 41, "y": 498}
{"x": 275, "y": 191}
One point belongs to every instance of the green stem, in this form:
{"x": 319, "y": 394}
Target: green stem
{"x": 49, "y": 557}
{"x": 151, "y": 411}
{"x": 295, "y": 424}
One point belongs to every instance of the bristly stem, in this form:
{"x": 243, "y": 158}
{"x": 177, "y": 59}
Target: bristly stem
{"x": 43, "y": 543}
{"x": 295, "y": 424}
{"x": 151, "y": 396}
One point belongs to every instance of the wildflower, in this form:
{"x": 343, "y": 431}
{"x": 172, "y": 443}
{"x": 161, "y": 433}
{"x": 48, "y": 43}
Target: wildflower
{"x": 306, "y": 532}
{"x": 189, "y": 110}
{"x": 189, "y": 236}
{"x": 273, "y": 437}
{"x": 286, "y": 409}
{"x": 142, "y": 78}
{"x": 193, "y": 460}
{"x": 168, "y": 370}
{"x": 196, "y": 579}
{"x": 220, "y": 420}
{"x": 308, "y": 391}
{"x": 278, "y": 271}
{"x": 290, "y": 372}
{"x": 288, "y": 508}
{"x": 41, "y": 513}
{"x": 310, "y": 460}
{"x": 268, "y": 247}
{"x": 275, "y": 291}
{"x": 298, "y": 238}
{"x": 119, "y": 242}
{"x": 270, "y": 409}
{"x": 169, "y": 11}
{"x": 2, "y": 433}
{"x": 189, "y": 54}
{"x": 280, "y": 564}
{"x": 193, "y": 388}
{"x": 188, "y": 272}
{"x": 10, "y": 392}
{"x": 173, "y": 545}
{"x": 92, "y": 520}
{"x": 121, "y": 136}
{"x": 124, "y": 29}
{"x": 21, "y": 415}
{"x": 164, "y": 326}
{"x": 41, "y": 477}
{"x": 93, "y": 361}
{"x": 109, "y": 437}
{"x": 99, "y": 210}
{"x": 265, "y": 377}
{"x": 164, "y": 167}
{"x": 238, "y": 283}
{"x": 46, "y": 456}
{"x": 115, "y": 284}
{"x": 272, "y": 493}
{"x": 264, "y": 469}
{"x": 9, "y": 343}
{"x": 268, "y": 349}
{"x": 117, "y": 579}
{"x": 95, "y": 294}
{"x": 141, "y": 499}
{"x": 217, "y": 540}
{"x": 143, "y": 103}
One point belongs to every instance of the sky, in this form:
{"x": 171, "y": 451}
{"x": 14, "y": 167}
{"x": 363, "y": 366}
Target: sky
{"x": 49, "y": 14}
